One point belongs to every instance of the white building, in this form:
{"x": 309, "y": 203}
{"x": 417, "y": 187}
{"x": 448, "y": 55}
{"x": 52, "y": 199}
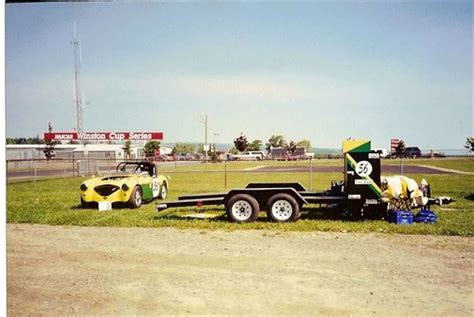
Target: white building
{"x": 77, "y": 151}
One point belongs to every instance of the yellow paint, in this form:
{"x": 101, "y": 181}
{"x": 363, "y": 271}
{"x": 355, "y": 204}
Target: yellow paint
{"x": 350, "y": 145}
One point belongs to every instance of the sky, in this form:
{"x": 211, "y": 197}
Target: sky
{"x": 318, "y": 71}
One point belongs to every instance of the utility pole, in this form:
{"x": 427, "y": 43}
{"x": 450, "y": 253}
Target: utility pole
{"x": 203, "y": 120}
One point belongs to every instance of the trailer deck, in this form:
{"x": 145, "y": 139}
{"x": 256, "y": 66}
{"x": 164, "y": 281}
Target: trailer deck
{"x": 255, "y": 190}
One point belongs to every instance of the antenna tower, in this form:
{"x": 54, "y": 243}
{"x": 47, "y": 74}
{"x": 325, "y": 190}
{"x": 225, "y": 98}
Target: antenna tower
{"x": 77, "y": 83}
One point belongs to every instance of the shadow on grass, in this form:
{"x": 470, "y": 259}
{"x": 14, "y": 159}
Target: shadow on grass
{"x": 217, "y": 218}
{"x": 305, "y": 214}
{"x": 95, "y": 206}
{"x": 330, "y": 214}
{"x": 78, "y": 207}
{"x": 470, "y": 196}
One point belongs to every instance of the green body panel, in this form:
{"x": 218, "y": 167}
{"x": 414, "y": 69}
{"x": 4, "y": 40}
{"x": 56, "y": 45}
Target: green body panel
{"x": 147, "y": 190}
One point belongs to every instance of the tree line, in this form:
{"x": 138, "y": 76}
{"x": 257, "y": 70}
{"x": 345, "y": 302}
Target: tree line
{"x": 275, "y": 141}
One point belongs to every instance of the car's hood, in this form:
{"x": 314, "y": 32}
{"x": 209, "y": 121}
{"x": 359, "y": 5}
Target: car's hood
{"x": 110, "y": 179}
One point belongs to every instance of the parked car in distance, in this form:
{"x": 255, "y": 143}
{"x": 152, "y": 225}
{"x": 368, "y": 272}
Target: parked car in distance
{"x": 184, "y": 157}
{"x": 165, "y": 158}
{"x": 412, "y": 152}
{"x": 249, "y": 156}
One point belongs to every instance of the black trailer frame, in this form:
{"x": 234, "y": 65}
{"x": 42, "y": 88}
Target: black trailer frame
{"x": 282, "y": 201}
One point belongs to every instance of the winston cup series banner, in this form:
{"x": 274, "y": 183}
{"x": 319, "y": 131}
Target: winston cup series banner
{"x": 98, "y": 136}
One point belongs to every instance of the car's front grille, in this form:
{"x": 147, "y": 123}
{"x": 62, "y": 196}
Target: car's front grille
{"x": 106, "y": 190}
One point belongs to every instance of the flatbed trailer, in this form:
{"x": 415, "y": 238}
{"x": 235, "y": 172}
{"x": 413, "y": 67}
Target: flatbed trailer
{"x": 282, "y": 201}
{"x": 359, "y": 194}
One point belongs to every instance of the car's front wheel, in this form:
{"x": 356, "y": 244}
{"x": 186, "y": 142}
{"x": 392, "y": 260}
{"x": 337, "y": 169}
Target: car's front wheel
{"x": 136, "y": 198}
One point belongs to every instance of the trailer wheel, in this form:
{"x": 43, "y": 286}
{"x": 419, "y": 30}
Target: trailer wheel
{"x": 282, "y": 208}
{"x": 242, "y": 208}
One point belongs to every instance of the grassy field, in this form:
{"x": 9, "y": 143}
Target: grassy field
{"x": 56, "y": 202}
{"x": 461, "y": 164}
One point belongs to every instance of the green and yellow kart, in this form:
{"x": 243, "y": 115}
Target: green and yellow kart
{"x": 132, "y": 184}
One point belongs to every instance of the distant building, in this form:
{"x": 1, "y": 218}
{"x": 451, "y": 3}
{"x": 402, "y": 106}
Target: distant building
{"x": 78, "y": 151}
{"x": 278, "y": 153}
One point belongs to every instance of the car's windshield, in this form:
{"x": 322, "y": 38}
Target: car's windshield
{"x": 135, "y": 168}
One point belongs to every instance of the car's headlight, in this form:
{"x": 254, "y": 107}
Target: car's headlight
{"x": 83, "y": 187}
{"x": 125, "y": 187}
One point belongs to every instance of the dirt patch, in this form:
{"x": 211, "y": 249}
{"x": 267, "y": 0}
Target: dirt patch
{"x": 55, "y": 270}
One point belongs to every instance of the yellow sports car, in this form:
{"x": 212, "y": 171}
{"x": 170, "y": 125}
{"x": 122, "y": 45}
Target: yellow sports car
{"x": 133, "y": 183}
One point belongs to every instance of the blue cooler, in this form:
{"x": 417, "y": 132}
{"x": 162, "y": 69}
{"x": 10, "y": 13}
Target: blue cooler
{"x": 426, "y": 216}
{"x": 400, "y": 217}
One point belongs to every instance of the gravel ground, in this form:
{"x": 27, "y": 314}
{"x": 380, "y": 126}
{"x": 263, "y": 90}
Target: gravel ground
{"x": 54, "y": 270}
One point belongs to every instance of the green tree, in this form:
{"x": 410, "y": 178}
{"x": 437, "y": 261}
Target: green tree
{"x": 275, "y": 141}
{"x": 470, "y": 143}
{"x": 35, "y": 140}
{"x": 10, "y": 141}
{"x": 291, "y": 147}
{"x": 213, "y": 157}
{"x": 127, "y": 149}
{"x": 21, "y": 141}
{"x": 184, "y": 148}
{"x": 306, "y": 144}
{"x": 49, "y": 148}
{"x": 151, "y": 146}
{"x": 241, "y": 143}
{"x": 400, "y": 148}
{"x": 255, "y": 145}
{"x": 200, "y": 148}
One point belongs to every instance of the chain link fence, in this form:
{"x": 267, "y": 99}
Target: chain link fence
{"x": 35, "y": 169}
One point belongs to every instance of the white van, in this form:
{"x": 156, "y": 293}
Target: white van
{"x": 249, "y": 156}
{"x": 383, "y": 152}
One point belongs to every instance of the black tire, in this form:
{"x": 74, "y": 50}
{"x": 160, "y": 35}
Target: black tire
{"x": 242, "y": 208}
{"x": 163, "y": 191}
{"x": 283, "y": 208}
{"x": 136, "y": 198}
{"x": 84, "y": 204}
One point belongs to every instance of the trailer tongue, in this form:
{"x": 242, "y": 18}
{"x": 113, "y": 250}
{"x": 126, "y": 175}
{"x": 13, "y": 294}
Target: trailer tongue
{"x": 359, "y": 194}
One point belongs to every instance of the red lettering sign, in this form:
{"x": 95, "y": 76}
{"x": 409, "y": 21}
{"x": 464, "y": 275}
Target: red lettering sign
{"x": 97, "y": 136}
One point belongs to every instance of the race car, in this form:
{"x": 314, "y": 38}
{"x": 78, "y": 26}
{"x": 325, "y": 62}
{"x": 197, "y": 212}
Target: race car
{"x": 132, "y": 184}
